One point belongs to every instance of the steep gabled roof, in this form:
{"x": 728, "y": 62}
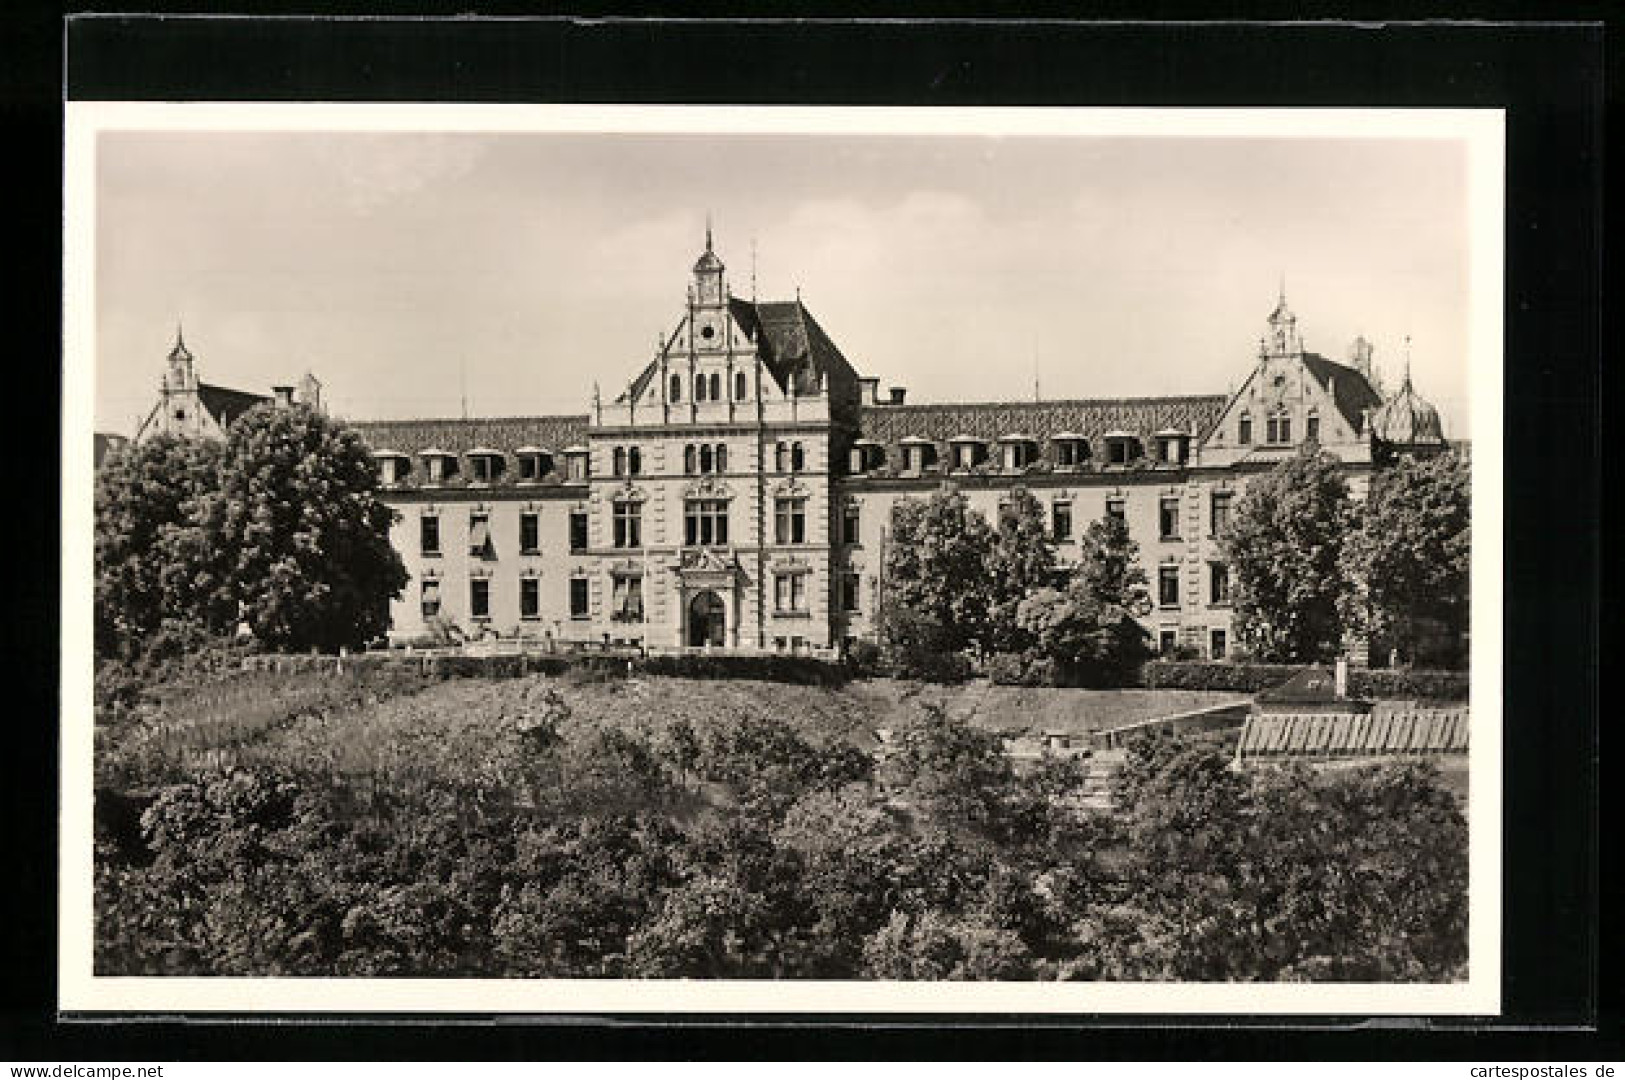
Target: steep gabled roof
{"x": 225, "y": 404}
{"x": 504, "y": 433}
{"x": 790, "y": 341}
{"x": 1350, "y": 390}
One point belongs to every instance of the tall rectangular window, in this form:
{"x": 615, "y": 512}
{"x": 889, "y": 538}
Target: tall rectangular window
{"x": 578, "y": 598}
{"x": 578, "y": 530}
{"x": 851, "y": 522}
{"x": 1311, "y": 428}
{"x": 479, "y": 598}
{"x": 790, "y": 592}
{"x": 1220, "y": 645}
{"x": 530, "y": 534}
{"x": 429, "y": 534}
{"x": 479, "y": 534}
{"x": 628, "y": 598}
{"x": 1286, "y": 429}
{"x": 529, "y": 467}
{"x": 1244, "y": 431}
{"x": 530, "y": 598}
{"x": 1221, "y": 512}
{"x": 790, "y": 521}
{"x": 575, "y": 466}
{"x": 1116, "y": 510}
{"x": 431, "y": 597}
{"x": 628, "y": 525}
{"x": 1168, "y": 586}
{"x": 850, "y": 587}
{"x": 705, "y": 522}
{"x": 1060, "y": 517}
{"x": 1168, "y": 517}
{"x": 1218, "y": 584}
{"x": 1167, "y": 641}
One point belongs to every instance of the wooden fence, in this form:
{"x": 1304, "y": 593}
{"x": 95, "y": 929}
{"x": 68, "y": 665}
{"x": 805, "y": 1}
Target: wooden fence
{"x": 1413, "y": 733}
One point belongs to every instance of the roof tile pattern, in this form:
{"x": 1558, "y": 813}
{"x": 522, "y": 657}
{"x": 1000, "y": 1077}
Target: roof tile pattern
{"x": 505, "y": 434}
{"x": 1041, "y": 420}
{"x": 226, "y": 404}
{"x": 1350, "y": 390}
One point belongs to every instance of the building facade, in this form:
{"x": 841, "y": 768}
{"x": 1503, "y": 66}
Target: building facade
{"x": 738, "y": 493}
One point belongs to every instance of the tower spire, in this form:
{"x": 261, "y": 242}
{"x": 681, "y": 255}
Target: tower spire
{"x": 1407, "y": 383}
{"x": 708, "y": 230}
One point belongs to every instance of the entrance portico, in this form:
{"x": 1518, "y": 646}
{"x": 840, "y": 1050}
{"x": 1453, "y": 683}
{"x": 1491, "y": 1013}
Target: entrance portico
{"x": 708, "y": 593}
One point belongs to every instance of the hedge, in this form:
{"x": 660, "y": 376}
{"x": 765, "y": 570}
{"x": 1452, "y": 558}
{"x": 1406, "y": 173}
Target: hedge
{"x": 1251, "y": 678}
{"x": 801, "y": 670}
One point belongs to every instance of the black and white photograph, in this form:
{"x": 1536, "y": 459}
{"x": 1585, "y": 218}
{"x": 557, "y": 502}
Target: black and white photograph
{"x": 636, "y": 558}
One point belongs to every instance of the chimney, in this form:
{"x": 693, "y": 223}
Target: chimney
{"x": 1342, "y": 676}
{"x": 869, "y": 389}
{"x": 897, "y": 393}
{"x": 284, "y": 396}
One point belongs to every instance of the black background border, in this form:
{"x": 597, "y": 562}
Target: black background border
{"x": 1549, "y": 77}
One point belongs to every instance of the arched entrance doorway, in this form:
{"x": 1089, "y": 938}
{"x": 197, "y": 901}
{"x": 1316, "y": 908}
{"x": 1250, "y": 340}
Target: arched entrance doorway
{"x": 707, "y": 620}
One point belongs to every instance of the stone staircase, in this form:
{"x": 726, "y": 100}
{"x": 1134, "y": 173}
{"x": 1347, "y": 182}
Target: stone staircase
{"x": 1100, "y": 782}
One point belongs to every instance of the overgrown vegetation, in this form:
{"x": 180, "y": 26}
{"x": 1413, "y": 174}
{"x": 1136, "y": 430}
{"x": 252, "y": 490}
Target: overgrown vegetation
{"x": 362, "y": 825}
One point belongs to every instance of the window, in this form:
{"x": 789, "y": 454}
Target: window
{"x": 530, "y": 540}
{"x": 479, "y": 598}
{"x": 1060, "y": 516}
{"x": 628, "y": 525}
{"x": 575, "y": 466}
{"x": 1244, "y": 430}
{"x": 851, "y": 523}
{"x": 578, "y": 530}
{"x": 790, "y": 592}
{"x": 676, "y": 388}
{"x": 1168, "y": 517}
{"x": 431, "y": 597}
{"x": 1168, "y": 586}
{"x": 530, "y": 598}
{"x": 1311, "y": 430}
{"x": 690, "y": 459}
{"x": 578, "y": 598}
{"x": 1286, "y": 428}
{"x": 850, "y": 586}
{"x": 1278, "y": 428}
{"x": 1221, "y": 512}
{"x": 716, "y": 387}
{"x": 740, "y": 386}
{"x": 1167, "y": 641}
{"x": 479, "y": 534}
{"x": 628, "y": 598}
{"x": 707, "y": 458}
{"x": 964, "y": 455}
{"x": 530, "y": 467}
{"x": 722, "y": 457}
{"x": 790, "y": 521}
{"x": 429, "y": 534}
{"x": 1071, "y": 452}
{"x": 1121, "y": 451}
{"x": 1218, "y": 648}
{"x": 620, "y": 461}
{"x": 485, "y": 467}
{"x": 798, "y": 460}
{"x": 1115, "y": 509}
{"x": 781, "y": 457}
{"x": 1218, "y": 584}
{"x": 705, "y": 522}
{"x": 699, "y": 388}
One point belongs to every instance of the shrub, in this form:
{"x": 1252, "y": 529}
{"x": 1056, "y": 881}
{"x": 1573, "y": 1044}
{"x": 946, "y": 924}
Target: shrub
{"x": 864, "y": 658}
{"x": 1006, "y": 669}
{"x": 1251, "y": 678}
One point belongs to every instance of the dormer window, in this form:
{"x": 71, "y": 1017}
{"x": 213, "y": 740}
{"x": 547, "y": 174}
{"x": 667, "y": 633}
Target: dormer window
{"x": 863, "y": 456}
{"x": 392, "y": 466}
{"x": 1173, "y": 446}
{"x": 968, "y": 450}
{"x": 917, "y": 453}
{"x": 1122, "y": 447}
{"x": 440, "y": 465}
{"x": 1071, "y": 450}
{"x": 534, "y": 463}
{"x": 1018, "y": 451}
{"x": 485, "y": 465}
{"x": 575, "y": 463}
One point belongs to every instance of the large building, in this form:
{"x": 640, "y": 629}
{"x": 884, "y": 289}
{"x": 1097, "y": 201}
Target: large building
{"x": 738, "y": 493}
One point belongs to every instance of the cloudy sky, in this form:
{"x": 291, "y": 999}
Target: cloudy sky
{"x": 410, "y": 270}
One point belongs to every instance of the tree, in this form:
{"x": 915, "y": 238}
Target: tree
{"x": 301, "y": 537}
{"x": 151, "y": 569}
{"x": 1411, "y": 556}
{"x": 936, "y": 566}
{"x": 1286, "y": 548}
{"x": 1019, "y": 560}
{"x": 1088, "y": 629}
